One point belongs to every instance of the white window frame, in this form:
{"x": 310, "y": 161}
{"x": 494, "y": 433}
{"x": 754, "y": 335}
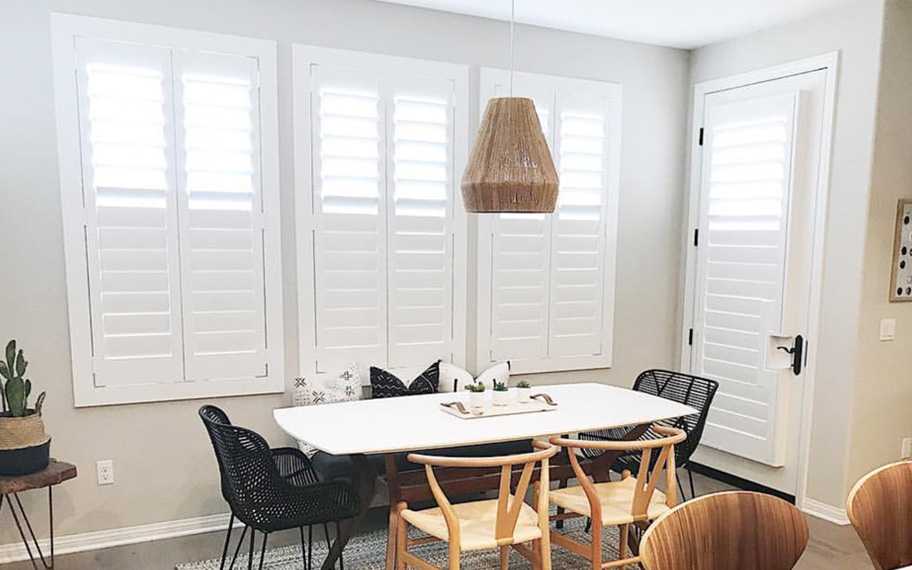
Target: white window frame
{"x": 490, "y": 77}
{"x": 65, "y": 28}
{"x": 303, "y": 57}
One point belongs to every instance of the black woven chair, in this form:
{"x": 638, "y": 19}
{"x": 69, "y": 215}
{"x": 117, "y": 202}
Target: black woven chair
{"x": 687, "y": 389}
{"x": 272, "y": 489}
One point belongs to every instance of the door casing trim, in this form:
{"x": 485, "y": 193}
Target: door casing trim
{"x": 830, "y": 63}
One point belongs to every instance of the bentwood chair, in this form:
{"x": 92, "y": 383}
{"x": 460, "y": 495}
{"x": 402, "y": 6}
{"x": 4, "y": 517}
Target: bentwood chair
{"x": 880, "y": 508}
{"x": 618, "y": 503}
{"x": 272, "y": 489}
{"x": 724, "y": 531}
{"x": 503, "y": 523}
{"x": 686, "y": 389}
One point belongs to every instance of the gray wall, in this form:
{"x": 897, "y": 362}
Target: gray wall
{"x": 164, "y": 467}
{"x": 883, "y": 389}
{"x": 855, "y": 31}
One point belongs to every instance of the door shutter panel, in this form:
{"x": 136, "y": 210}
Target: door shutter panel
{"x": 421, "y": 221}
{"x": 221, "y": 217}
{"x": 578, "y": 226}
{"x": 129, "y": 196}
{"x": 349, "y": 207}
{"x": 747, "y": 168}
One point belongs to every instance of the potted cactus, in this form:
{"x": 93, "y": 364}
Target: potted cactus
{"x": 501, "y": 394}
{"x": 476, "y": 395}
{"x": 523, "y": 392}
{"x": 24, "y": 443}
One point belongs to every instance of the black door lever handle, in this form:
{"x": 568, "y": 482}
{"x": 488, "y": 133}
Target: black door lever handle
{"x": 797, "y": 353}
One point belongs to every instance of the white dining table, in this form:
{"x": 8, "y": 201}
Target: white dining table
{"x": 413, "y": 423}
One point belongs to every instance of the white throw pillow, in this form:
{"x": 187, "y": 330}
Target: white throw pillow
{"x": 326, "y": 389}
{"x": 453, "y": 378}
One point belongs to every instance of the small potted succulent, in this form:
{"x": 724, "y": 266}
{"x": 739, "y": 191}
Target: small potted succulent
{"x": 476, "y": 395}
{"x": 24, "y": 443}
{"x": 523, "y": 392}
{"x": 501, "y": 394}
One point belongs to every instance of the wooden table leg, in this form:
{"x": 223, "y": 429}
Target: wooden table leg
{"x": 392, "y": 485}
{"x": 365, "y": 478}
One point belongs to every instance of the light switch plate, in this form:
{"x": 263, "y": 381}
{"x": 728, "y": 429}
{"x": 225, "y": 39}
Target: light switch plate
{"x": 887, "y": 329}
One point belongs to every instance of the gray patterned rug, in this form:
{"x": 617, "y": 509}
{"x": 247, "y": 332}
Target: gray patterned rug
{"x": 368, "y": 551}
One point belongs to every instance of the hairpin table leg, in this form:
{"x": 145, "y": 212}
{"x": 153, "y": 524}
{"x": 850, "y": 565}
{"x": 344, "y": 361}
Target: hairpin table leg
{"x": 30, "y": 539}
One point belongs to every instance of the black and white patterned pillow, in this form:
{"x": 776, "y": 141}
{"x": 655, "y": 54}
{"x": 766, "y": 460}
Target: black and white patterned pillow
{"x": 385, "y": 384}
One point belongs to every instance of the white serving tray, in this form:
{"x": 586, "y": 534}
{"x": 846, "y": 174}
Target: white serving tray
{"x": 489, "y": 410}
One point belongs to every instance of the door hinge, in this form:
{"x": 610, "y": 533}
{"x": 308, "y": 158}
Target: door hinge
{"x": 700, "y": 143}
{"x": 696, "y": 237}
{"x": 690, "y": 337}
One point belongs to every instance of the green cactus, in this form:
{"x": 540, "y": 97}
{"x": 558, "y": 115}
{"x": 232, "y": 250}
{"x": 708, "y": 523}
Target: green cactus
{"x": 15, "y": 391}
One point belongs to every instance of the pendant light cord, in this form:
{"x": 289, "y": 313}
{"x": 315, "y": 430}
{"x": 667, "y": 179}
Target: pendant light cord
{"x": 512, "y": 41}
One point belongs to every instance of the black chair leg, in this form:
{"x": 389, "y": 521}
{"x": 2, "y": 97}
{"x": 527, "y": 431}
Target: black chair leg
{"x": 263, "y": 550}
{"x": 681, "y": 489}
{"x": 326, "y": 536}
{"x": 250, "y": 554}
{"x": 237, "y": 549}
{"x": 303, "y": 548}
{"x": 339, "y": 537}
{"x": 310, "y": 547}
{"x": 227, "y": 541}
{"x": 690, "y": 475}
{"x": 588, "y": 525}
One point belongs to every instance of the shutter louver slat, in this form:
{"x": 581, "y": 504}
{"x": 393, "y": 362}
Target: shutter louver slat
{"x": 349, "y": 209}
{"x": 223, "y": 283}
{"x": 130, "y": 213}
{"x": 421, "y": 223}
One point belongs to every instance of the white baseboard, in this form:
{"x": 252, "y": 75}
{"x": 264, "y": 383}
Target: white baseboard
{"x": 118, "y": 537}
{"x": 824, "y": 511}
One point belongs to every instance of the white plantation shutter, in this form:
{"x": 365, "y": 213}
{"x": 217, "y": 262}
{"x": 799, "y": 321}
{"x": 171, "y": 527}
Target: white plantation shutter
{"x": 546, "y": 281}
{"x": 381, "y": 234}
{"x": 741, "y": 271}
{"x": 131, "y": 240}
{"x": 167, "y": 180}
{"x": 349, "y": 204}
{"x": 221, "y": 216}
{"x": 578, "y": 229}
{"x": 422, "y": 222}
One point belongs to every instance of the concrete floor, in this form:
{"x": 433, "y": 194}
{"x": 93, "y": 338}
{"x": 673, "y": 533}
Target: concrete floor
{"x": 831, "y": 547}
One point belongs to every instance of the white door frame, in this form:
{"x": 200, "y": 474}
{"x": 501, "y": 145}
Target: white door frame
{"x": 830, "y": 63}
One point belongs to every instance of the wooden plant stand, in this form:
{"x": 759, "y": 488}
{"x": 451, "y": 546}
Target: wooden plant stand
{"x": 56, "y": 472}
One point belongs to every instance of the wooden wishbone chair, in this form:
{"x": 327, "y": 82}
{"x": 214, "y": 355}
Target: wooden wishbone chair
{"x": 726, "y": 531}
{"x": 880, "y": 508}
{"x": 618, "y": 503}
{"x": 499, "y": 523}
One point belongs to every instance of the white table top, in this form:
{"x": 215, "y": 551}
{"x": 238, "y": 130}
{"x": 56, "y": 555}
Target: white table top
{"x": 412, "y": 423}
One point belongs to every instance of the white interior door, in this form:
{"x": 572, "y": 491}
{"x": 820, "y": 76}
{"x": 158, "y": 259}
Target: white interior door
{"x": 761, "y": 151}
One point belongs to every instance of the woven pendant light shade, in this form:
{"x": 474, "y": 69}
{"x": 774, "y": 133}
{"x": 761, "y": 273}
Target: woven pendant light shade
{"x": 510, "y": 169}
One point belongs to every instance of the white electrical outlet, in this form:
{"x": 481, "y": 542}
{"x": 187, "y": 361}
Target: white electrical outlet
{"x": 105, "y": 470}
{"x": 887, "y": 329}
{"x": 906, "y": 448}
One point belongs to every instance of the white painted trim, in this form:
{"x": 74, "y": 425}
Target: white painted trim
{"x": 614, "y": 93}
{"x": 97, "y": 540}
{"x": 824, "y": 511}
{"x": 830, "y": 63}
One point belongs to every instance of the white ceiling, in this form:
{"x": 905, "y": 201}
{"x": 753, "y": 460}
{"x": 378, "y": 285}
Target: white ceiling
{"x": 676, "y": 23}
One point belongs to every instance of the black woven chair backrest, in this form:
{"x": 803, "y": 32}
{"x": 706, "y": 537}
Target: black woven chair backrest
{"x": 693, "y": 391}
{"x": 248, "y": 471}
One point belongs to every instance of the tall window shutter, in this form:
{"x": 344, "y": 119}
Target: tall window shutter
{"x": 578, "y": 226}
{"x": 221, "y": 215}
{"x": 349, "y": 202}
{"x": 131, "y": 237}
{"x": 549, "y": 274}
{"x": 422, "y": 221}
